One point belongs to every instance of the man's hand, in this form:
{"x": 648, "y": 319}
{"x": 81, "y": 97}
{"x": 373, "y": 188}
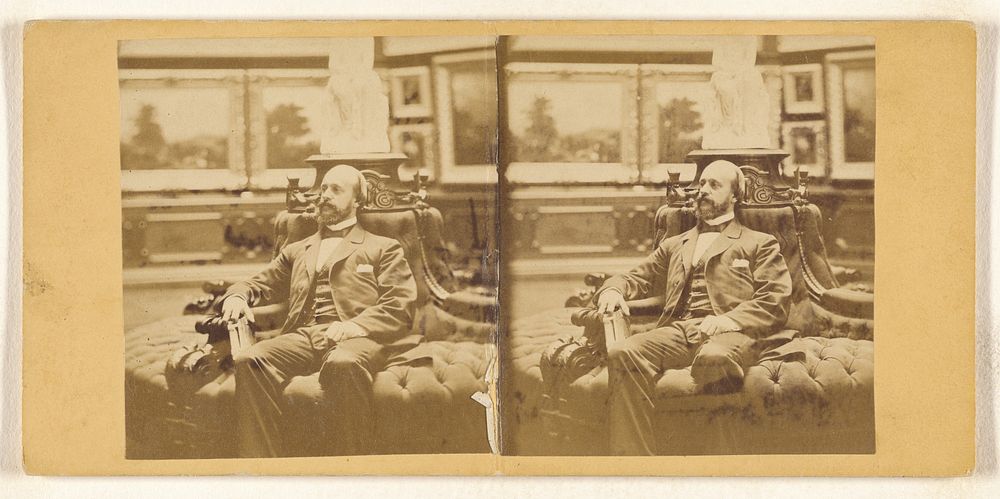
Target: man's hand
{"x": 610, "y": 300}
{"x": 715, "y": 324}
{"x": 234, "y": 308}
{"x": 343, "y": 331}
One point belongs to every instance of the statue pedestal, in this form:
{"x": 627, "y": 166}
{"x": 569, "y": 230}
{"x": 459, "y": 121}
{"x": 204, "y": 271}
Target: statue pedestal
{"x": 385, "y": 190}
{"x": 385, "y": 163}
{"x": 765, "y": 185}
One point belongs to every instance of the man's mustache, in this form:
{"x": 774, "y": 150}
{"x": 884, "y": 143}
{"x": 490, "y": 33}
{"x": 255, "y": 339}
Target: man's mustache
{"x": 317, "y": 207}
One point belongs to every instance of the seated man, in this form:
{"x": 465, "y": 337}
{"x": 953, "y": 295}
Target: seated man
{"x": 725, "y": 286}
{"x": 351, "y": 297}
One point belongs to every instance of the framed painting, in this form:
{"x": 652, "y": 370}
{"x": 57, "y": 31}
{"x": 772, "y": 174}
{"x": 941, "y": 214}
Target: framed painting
{"x": 803, "y": 88}
{"x": 411, "y": 92}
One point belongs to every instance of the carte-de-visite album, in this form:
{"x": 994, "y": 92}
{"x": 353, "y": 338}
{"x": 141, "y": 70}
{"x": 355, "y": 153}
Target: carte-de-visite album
{"x": 478, "y": 248}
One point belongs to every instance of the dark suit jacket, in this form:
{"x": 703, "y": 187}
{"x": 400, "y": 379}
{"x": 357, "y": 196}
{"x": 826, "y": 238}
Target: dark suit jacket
{"x": 746, "y": 276}
{"x": 372, "y": 282}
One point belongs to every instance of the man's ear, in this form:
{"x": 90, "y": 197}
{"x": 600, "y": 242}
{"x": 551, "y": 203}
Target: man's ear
{"x": 363, "y": 188}
{"x": 741, "y": 181}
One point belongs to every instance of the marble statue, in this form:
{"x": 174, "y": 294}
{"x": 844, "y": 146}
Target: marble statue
{"x": 737, "y": 117}
{"x": 358, "y": 108}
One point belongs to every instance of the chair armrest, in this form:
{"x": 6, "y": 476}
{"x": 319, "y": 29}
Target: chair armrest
{"x": 270, "y": 317}
{"x": 596, "y": 279}
{"x": 593, "y": 322}
{"x": 267, "y": 321}
{"x": 652, "y": 306}
{"x": 848, "y": 303}
{"x": 646, "y": 307}
{"x": 208, "y": 302}
{"x": 582, "y": 297}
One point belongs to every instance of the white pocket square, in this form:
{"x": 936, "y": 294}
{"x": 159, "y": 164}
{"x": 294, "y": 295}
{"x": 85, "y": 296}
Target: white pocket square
{"x": 364, "y": 268}
{"x": 740, "y": 263}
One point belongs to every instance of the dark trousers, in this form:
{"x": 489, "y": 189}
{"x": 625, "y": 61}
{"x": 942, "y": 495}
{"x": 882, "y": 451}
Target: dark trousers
{"x": 346, "y": 373}
{"x": 635, "y": 364}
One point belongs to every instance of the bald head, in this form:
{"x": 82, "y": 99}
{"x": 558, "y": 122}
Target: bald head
{"x": 719, "y": 189}
{"x": 347, "y": 175}
{"x": 726, "y": 172}
{"x": 342, "y": 190}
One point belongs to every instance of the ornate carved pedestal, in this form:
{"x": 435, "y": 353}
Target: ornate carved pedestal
{"x": 765, "y": 185}
{"x": 385, "y": 191}
{"x": 385, "y": 163}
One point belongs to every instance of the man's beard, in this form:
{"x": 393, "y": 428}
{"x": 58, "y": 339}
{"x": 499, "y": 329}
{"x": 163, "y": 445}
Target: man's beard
{"x": 707, "y": 209}
{"x": 328, "y": 214}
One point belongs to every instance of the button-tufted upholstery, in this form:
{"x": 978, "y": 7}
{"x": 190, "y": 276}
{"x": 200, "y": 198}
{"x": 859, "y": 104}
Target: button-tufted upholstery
{"x": 424, "y": 408}
{"x": 557, "y": 397}
{"x": 419, "y": 409}
{"x": 185, "y": 416}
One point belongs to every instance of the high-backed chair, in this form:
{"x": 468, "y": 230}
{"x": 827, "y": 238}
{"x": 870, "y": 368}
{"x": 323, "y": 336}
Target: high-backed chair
{"x": 821, "y": 402}
{"x": 180, "y": 399}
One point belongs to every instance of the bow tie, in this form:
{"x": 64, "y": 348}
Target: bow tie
{"x": 704, "y": 227}
{"x": 327, "y": 233}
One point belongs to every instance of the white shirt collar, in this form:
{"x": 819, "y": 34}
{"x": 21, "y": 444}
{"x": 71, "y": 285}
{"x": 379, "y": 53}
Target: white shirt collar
{"x": 326, "y": 246}
{"x": 344, "y": 225}
{"x": 721, "y": 219}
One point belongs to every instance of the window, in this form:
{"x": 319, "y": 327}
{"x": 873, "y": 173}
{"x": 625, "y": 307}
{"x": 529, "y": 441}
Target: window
{"x": 851, "y": 80}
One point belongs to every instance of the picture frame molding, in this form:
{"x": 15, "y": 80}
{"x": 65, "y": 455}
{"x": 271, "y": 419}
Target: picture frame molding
{"x": 627, "y": 170}
{"x": 236, "y": 175}
{"x": 442, "y": 67}
{"x": 423, "y": 109}
{"x": 794, "y": 106}
{"x": 652, "y": 75}
{"x": 427, "y": 130}
{"x": 818, "y": 169}
{"x": 262, "y": 175}
{"x": 839, "y": 167}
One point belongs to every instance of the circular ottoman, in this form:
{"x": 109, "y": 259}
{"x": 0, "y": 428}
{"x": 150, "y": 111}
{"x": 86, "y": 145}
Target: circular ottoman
{"x": 175, "y": 416}
{"x": 822, "y": 404}
{"x": 418, "y": 409}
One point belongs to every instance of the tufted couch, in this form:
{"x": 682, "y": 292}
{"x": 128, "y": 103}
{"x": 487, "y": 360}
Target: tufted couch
{"x": 189, "y": 413}
{"x": 822, "y": 402}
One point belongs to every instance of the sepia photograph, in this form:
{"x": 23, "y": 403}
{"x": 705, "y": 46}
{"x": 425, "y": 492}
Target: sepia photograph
{"x": 311, "y": 260}
{"x": 688, "y": 268}
{"x": 498, "y": 248}
{"x": 297, "y": 280}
